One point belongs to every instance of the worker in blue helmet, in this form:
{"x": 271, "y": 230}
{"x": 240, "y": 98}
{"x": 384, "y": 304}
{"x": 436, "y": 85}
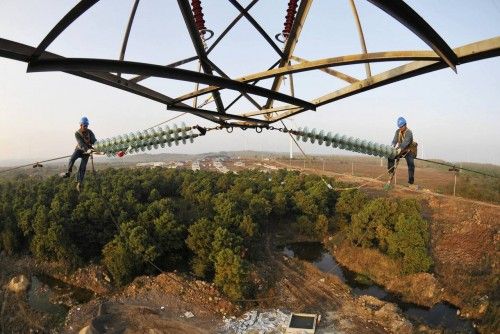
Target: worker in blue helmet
{"x": 406, "y": 147}
{"x": 85, "y": 138}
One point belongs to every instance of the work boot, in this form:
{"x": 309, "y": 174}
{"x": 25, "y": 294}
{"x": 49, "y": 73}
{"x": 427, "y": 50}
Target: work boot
{"x": 411, "y": 180}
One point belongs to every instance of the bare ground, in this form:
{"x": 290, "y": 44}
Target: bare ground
{"x": 465, "y": 247}
{"x": 465, "y": 237}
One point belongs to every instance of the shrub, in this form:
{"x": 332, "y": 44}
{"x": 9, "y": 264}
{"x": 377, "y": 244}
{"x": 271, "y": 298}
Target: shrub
{"x": 395, "y": 227}
{"x": 231, "y": 274}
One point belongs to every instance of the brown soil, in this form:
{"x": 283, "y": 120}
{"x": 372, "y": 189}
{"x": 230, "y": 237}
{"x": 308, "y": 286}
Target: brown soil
{"x": 300, "y": 287}
{"x": 464, "y": 241}
{"x": 421, "y": 288}
{"x": 155, "y": 304}
{"x": 465, "y": 247}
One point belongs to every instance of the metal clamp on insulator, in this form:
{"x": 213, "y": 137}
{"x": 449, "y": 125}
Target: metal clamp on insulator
{"x": 202, "y": 130}
{"x": 280, "y": 37}
{"x": 204, "y": 32}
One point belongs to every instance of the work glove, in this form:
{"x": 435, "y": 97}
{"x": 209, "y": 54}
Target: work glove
{"x": 398, "y": 152}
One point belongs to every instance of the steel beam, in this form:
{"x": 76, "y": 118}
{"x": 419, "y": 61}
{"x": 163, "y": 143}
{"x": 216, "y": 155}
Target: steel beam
{"x": 107, "y": 65}
{"x": 290, "y": 43}
{"x": 231, "y": 25}
{"x": 471, "y": 52}
{"x": 174, "y": 64}
{"x": 222, "y": 74}
{"x": 257, "y": 26}
{"x": 187, "y": 14}
{"x": 253, "y": 83}
{"x": 324, "y": 63}
{"x": 65, "y": 22}
{"x": 22, "y": 52}
{"x": 399, "y": 10}
{"x": 362, "y": 40}
{"x": 337, "y": 74}
{"x": 127, "y": 31}
{"x": 216, "y": 115}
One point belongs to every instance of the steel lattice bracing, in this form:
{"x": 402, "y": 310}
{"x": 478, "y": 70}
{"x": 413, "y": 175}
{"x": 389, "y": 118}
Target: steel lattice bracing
{"x": 109, "y": 71}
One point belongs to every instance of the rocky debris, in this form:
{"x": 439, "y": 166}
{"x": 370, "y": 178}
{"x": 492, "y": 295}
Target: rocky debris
{"x": 422, "y": 288}
{"x": 371, "y": 302}
{"x": 188, "y": 315}
{"x": 194, "y": 292}
{"x": 386, "y": 315}
{"x": 273, "y": 321}
{"x": 18, "y": 284}
{"x": 93, "y": 277}
{"x": 427, "y": 330}
{"x": 396, "y": 322}
{"x": 88, "y": 330}
{"x": 130, "y": 318}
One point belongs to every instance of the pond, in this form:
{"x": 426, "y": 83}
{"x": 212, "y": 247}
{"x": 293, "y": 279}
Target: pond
{"x": 441, "y": 315}
{"x": 54, "y": 297}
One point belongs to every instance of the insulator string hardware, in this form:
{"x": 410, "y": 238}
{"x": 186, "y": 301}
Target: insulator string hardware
{"x": 199, "y": 21}
{"x": 345, "y": 143}
{"x": 148, "y": 139}
{"x": 289, "y": 19}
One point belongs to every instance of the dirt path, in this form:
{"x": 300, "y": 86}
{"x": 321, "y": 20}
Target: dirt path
{"x": 303, "y": 288}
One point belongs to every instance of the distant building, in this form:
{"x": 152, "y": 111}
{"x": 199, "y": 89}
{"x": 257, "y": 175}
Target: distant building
{"x": 195, "y": 166}
{"x": 270, "y": 167}
{"x": 152, "y": 164}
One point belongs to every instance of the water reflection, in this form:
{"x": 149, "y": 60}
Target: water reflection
{"x": 441, "y": 315}
{"x": 49, "y": 295}
{"x": 39, "y": 297}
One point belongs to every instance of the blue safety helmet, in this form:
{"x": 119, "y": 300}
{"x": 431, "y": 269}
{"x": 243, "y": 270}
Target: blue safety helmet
{"x": 84, "y": 121}
{"x": 401, "y": 122}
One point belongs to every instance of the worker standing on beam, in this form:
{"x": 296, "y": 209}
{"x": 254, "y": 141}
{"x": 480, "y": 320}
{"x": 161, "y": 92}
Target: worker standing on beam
{"x": 407, "y": 148}
{"x": 85, "y": 138}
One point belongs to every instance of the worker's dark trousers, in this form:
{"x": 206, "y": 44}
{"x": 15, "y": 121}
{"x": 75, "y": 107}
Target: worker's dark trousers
{"x": 411, "y": 166}
{"x": 83, "y": 164}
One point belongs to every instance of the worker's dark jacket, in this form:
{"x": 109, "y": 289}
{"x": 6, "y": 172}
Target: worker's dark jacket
{"x": 85, "y": 139}
{"x": 405, "y": 141}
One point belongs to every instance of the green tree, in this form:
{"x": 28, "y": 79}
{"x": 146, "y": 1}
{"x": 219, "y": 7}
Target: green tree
{"x": 199, "y": 240}
{"x": 231, "y": 273}
{"x": 410, "y": 242}
{"x": 248, "y": 227}
{"x": 126, "y": 255}
{"x": 395, "y": 227}
{"x": 169, "y": 237}
{"x": 349, "y": 203}
{"x": 9, "y": 238}
{"x": 224, "y": 238}
{"x": 321, "y": 226}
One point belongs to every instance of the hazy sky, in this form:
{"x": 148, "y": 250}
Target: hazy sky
{"x": 453, "y": 116}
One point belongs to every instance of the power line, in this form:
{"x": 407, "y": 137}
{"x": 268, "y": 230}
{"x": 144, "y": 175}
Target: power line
{"x": 34, "y": 164}
{"x": 168, "y": 120}
{"x": 462, "y": 168}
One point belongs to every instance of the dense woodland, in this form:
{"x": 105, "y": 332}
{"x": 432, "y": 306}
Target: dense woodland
{"x": 209, "y": 224}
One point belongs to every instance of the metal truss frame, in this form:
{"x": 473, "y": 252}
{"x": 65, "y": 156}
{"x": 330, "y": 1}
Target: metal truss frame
{"x": 102, "y": 70}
